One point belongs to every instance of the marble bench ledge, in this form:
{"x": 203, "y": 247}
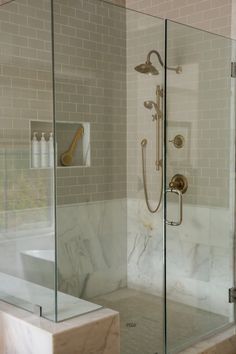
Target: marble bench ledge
{"x": 222, "y": 343}
{"x": 24, "y": 333}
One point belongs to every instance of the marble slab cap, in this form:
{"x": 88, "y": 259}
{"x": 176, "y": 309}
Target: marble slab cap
{"x": 24, "y": 333}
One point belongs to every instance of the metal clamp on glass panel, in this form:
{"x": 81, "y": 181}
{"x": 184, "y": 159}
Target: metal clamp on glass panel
{"x": 180, "y": 195}
{"x": 37, "y": 310}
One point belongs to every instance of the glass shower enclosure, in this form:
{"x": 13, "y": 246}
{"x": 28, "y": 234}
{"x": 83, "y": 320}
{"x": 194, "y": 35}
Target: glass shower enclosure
{"x": 200, "y": 162}
{"x": 117, "y": 170}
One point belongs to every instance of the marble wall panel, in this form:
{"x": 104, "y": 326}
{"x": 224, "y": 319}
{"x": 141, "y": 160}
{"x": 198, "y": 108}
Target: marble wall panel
{"x": 92, "y": 248}
{"x": 199, "y": 269}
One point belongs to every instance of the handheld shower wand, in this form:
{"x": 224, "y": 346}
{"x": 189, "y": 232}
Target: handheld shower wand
{"x": 150, "y": 69}
{"x": 158, "y": 116}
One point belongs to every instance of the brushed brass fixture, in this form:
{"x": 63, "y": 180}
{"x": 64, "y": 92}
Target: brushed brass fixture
{"x": 178, "y": 141}
{"x": 179, "y": 182}
{"x": 144, "y": 142}
{"x": 157, "y": 117}
{"x": 148, "y": 68}
{"x": 178, "y": 185}
{"x": 233, "y": 69}
{"x": 67, "y": 157}
{"x": 180, "y": 198}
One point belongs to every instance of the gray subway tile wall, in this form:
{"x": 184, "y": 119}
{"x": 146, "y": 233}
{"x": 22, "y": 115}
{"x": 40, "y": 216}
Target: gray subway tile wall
{"x": 198, "y": 107}
{"x": 25, "y": 94}
{"x": 90, "y": 78}
{"x": 80, "y": 45}
{"x": 91, "y": 87}
{"x": 144, "y": 33}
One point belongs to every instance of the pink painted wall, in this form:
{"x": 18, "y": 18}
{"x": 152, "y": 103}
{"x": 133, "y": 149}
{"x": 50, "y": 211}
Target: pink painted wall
{"x": 211, "y": 15}
{"x": 117, "y": 2}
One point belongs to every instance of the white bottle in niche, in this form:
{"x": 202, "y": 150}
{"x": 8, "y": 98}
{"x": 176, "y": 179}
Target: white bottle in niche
{"x": 35, "y": 151}
{"x": 44, "y": 151}
{"x": 50, "y": 151}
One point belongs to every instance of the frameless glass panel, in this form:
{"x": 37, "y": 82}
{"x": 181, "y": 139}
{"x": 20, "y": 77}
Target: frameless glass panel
{"x": 109, "y": 244}
{"x": 200, "y": 163}
{"x": 26, "y": 181}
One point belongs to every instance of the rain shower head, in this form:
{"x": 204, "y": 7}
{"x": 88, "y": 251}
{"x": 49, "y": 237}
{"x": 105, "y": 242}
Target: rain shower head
{"x": 147, "y": 68}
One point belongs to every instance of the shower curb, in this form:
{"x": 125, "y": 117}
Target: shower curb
{"x": 221, "y": 343}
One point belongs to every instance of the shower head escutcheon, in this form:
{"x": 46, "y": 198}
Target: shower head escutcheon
{"x": 150, "y": 69}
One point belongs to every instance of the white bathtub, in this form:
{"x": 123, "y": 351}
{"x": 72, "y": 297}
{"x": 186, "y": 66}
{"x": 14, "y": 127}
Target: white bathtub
{"x": 48, "y": 255}
{"x": 38, "y": 267}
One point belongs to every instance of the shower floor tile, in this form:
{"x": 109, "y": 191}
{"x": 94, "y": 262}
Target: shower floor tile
{"x": 141, "y": 317}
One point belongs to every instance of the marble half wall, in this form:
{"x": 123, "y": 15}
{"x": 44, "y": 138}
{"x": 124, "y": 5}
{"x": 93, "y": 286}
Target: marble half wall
{"x": 145, "y": 245}
{"x": 107, "y": 245}
{"x": 24, "y": 333}
{"x": 92, "y": 247}
{"x": 92, "y": 250}
{"x": 199, "y": 255}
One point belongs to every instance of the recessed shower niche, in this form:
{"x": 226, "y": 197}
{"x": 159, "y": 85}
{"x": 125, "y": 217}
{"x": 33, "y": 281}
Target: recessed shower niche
{"x": 73, "y": 144}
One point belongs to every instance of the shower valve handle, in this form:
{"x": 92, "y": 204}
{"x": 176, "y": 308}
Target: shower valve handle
{"x": 179, "y": 182}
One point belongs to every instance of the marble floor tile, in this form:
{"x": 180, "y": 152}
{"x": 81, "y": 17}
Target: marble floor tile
{"x": 141, "y": 317}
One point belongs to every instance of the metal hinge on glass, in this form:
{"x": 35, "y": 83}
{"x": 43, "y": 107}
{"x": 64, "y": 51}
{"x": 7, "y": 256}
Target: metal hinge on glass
{"x": 232, "y": 295}
{"x": 233, "y": 69}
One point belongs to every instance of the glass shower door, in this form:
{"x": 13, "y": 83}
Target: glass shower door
{"x": 26, "y": 179}
{"x": 199, "y": 181}
{"x": 109, "y": 245}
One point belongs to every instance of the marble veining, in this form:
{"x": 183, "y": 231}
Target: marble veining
{"x": 107, "y": 245}
{"x": 104, "y": 339}
{"x": 92, "y": 248}
{"x": 222, "y": 343}
{"x": 199, "y": 255}
{"x": 110, "y": 245}
{"x": 24, "y": 333}
{"x": 185, "y": 323}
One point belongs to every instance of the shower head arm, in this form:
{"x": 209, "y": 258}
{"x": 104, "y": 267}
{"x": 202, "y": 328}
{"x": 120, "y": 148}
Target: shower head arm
{"x": 158, "y": 56}
{"x": 178, "y": 69}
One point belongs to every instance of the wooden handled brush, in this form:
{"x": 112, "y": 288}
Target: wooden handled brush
{"x": 67, "y": 157}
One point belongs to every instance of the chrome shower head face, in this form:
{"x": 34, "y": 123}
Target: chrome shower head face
{"x": 147, "y": 68}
